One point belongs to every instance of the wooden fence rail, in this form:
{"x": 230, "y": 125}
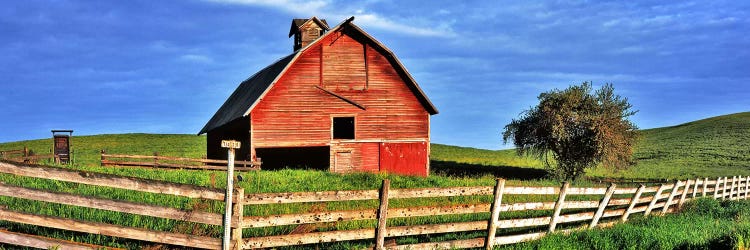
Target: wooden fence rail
{"x": 157, "y": 161}
{"x": 24, "y": 155}
{"x": 563, "y": 209}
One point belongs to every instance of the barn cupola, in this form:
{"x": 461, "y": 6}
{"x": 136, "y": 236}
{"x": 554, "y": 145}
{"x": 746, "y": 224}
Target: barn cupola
{"x": 307, "y": 30}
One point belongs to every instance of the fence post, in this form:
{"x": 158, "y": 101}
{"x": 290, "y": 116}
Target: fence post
{"x": 731, "y": 188}
{"x": 671, "y": 197}
{"x": 705, "y": 186}
{"x": 558, "y": 206}
{"x": 633, "y": 202}
{"x": 156, "y": 159}
{"x": 716, "y": 188}
{"x": 724, "y": 190}
{"x": 695, "y": 188}
{"x": 684, "y": 193}
{"x": 231, "y": 146}
{"x": 654, "y": 199}
{"x": 382, "y": 215}
{"x": 747, "y": 185}
{"x": 101, "y": 163}
{"x": 489, "y": 243}
{"x": 25, "y": 152}
{"x": 603, "y": 205}
{"x": 238, "y": 212}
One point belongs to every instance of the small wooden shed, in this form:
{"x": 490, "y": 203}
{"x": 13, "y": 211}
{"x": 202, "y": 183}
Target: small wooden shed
{"x": 341, "y": 101}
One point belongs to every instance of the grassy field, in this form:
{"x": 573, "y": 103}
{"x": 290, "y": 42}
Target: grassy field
{"x": 707, "y": 148}
{"x": 703, "y": 224}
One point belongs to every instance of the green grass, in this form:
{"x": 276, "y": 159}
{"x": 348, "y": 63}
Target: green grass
{"x": 703, "y": 224}
{"x": 713, "y": 147}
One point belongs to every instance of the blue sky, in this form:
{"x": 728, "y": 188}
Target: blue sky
{"x": 166, "y": 66}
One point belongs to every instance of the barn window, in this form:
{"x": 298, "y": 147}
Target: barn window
{"x": 343, "y": 128}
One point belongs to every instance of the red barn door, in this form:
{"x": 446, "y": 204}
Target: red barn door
{"x": 408, "y": 158}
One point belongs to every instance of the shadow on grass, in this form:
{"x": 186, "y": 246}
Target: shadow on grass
{"x": 450, "y": 168}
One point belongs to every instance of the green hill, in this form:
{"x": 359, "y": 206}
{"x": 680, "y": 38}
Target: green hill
{"x": 711, "y": 147}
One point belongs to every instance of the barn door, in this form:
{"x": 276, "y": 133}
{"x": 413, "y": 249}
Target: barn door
{"x": 342, "y": 162}
{"x": 408, "y": 158}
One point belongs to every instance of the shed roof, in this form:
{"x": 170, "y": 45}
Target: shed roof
{"x": 244, "y": 98}
{"x": 298, "y": 22}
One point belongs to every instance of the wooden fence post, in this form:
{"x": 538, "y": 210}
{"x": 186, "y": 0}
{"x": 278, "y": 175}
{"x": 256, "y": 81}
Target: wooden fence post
{"x": 671, "y": 197}
{"x": 731, "y": 187}
{"x": 695, "y": 188}
{"x": 705, "y": 186}
{"x": 653, "y": 201}
{"x": 603, "y": 205}
{"x": 104, "y": 158}
{"x": 25, "y": 152}
{"x": 489, "y": 243}
{"x": 238, "y": 215}
{"x": 747, "y": 186}
{"x": 724, "y": 190}
{"x": 156, "y": 159}
{"x": 382, "y": 216}
{"x": 716, "y": 189}
{"x": 684, "y": 193}
{"x": 633, "y": 202}
{"x": 558, "y": 206}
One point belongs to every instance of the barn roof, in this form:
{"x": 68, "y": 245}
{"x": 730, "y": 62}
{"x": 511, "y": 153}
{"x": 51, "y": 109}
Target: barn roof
{"x": 244, "y": 98}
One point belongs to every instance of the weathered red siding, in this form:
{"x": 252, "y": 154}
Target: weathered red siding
{"x": 296, "y": 113}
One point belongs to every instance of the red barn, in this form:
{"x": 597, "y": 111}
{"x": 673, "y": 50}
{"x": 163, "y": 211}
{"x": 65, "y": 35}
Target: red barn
{"x": 342, "y": 101}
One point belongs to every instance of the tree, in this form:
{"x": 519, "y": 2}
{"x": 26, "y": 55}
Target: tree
{"x": 578, "y": 129}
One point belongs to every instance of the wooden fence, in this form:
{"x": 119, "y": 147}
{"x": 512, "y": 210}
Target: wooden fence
{"x": 24, "y": 155}
{"x": 567, "y": 208}
{"x": 158, "y": 161}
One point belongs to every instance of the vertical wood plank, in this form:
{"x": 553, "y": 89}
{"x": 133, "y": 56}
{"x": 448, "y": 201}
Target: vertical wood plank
{"x": 731, "y": 188}
{"x": 671, "y": 196}
{"x": 633, "y": 202}
{"x": 558, "y": 206}
{"x": 382, "y": 215}
{"x": 602, "y": 205}
{"x": 747, "y": 186}
{"x": 489, "y": 243}
{"x": 685, "y": 192}
{"x": 716, "y": 188}
{"x": 238, "y": 215}
{"x": 654, "y": 200}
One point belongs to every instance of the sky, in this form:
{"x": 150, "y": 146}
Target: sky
{"x": 102, "y": 67}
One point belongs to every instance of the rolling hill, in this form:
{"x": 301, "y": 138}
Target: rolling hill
{"x": 716, "y": 146}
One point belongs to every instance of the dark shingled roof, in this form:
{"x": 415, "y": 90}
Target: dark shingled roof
{"x": 246, "y": 94}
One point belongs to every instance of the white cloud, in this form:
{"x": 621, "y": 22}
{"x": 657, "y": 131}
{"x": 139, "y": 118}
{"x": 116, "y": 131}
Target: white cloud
{"x": 324, "y": 9}
{"x": 196, "y": 58}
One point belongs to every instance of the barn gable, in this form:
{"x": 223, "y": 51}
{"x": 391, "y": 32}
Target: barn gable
{"x": 342, "y": 101}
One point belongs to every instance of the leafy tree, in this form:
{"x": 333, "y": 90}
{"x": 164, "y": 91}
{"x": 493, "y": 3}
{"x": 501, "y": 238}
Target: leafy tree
{"x": 578, "y": 129}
